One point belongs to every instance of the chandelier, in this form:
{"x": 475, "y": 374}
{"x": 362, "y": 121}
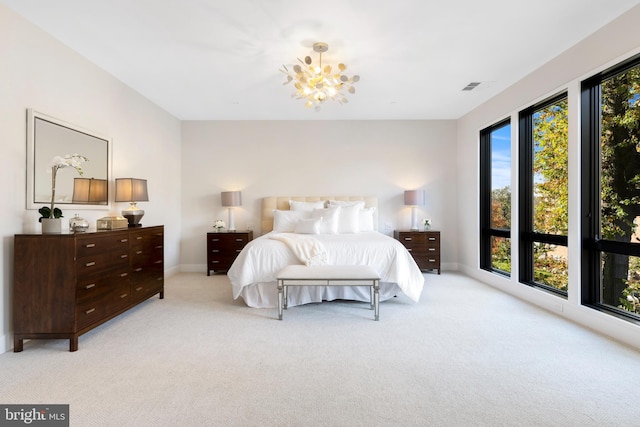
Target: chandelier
{"x": 316, "y": 84}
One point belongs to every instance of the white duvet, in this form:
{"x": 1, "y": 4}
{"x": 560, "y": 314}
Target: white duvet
{"x": 254, "y": 272}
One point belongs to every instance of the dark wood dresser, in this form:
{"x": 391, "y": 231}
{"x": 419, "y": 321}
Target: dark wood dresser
{"x": 223, "y": 247}
{"x": 67, "y": 284}
{"x": 424, "y": 247}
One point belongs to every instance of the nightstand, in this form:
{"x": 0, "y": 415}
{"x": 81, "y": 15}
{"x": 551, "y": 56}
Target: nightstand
{"x": 424, "y": 247}
{"x": 223, "y": 248}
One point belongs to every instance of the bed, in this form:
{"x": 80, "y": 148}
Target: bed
{"x": 316, "y": 231}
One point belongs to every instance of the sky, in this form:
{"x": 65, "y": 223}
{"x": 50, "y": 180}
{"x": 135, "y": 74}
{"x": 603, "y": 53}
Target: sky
{"x": 501, "y": 157}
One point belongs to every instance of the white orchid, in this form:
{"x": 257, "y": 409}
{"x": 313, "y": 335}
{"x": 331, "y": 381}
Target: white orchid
{"x": 219, "y": 224}
{"x": 58, "y": 162}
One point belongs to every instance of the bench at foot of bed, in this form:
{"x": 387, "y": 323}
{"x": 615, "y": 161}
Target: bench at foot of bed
{"x": 329, "y": 275}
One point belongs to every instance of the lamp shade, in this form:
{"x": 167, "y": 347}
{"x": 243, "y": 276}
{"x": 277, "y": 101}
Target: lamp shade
{"x": 131, "y": 190}
{"x": 231, "y": 198}
{"x": 90, "y": 191}
{"x": 414, "y": 197}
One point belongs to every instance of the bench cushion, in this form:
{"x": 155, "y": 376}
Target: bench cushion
{"x": 328, "y": 272}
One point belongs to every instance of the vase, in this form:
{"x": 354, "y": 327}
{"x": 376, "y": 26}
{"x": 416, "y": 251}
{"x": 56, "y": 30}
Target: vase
{"x": 51, "y": 225}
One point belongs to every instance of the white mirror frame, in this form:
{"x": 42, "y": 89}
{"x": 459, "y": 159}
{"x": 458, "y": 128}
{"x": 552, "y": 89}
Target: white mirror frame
{"x": 34, "y": 173}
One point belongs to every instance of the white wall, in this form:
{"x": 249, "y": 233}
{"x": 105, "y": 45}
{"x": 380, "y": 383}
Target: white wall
{"x": 40, "y": 73}
{"x": 620, "y": 39}
{"x": 316, "y": 158}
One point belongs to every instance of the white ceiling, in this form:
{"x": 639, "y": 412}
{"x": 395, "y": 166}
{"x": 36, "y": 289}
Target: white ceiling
{"x": 211, "y": 59}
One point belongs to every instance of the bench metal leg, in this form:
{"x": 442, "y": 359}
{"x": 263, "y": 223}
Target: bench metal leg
{"x": 376, "y": 299}
{"x": 280, "y": 298}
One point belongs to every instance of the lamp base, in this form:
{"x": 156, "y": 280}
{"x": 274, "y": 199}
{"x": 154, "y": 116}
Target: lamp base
{"x": 133, "y": 215}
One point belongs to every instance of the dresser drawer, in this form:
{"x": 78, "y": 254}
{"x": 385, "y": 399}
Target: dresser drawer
{"x": 95, "y": 243}
{"x": 97, "y": 263}
{"x": 225, "y": 242}
{"x": 102, "y": 302}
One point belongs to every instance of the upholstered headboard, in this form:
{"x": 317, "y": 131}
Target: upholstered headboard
{"x": 269, "y": 204}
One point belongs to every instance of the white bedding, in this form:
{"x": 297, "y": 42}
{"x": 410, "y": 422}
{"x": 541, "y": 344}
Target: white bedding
{"x": 253, "y": 274}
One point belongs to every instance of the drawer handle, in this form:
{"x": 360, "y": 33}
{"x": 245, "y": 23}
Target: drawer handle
{"x": 124, "y": 240}
{"x": 138, "y": 270}
{"x": 139, "y": 238}
{"x": 215, "y": 240}
{"x": 124, "y": 256}
{"x": 432, "y": 249}
{"x": 159, "y": 247}
{"x": 92, "y": 285}
{"x": 158, "y": 262}
{"x": 138, "y": 252}
{"x": 408, "y": 238}
{"x": 159, "y": 278}
{"x": 239, "y": 240}
{"x": 432, "y": 238}
{"x": 409, "y": 249}
{"x": 124, "y": 274}
{"x": 90, "y": 245}
{"x": 91, "y": 310}
{"x": 238, "y": 250}
{"x": 91, "y": 264}
{"x": 215, "y": 251}
{"x": 139, "y": 288}
{"x": 214, "y": 262}
{"x": 124, "y": 295}
{"x": 432, "y": 260}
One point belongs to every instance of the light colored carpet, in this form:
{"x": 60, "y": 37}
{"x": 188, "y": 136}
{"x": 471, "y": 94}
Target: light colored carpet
{"x": 465, "y": 355}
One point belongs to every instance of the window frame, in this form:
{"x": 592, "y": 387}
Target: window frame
{"x": 527, "y": 236}
{"x": 486, "y": 231}
{"x": 592, "y": 243}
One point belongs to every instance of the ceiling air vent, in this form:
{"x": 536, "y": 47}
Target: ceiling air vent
{"x": 471, "y": 86}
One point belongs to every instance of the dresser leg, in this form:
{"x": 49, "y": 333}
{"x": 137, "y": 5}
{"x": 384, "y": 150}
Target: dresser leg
{"x": 73, "y": 343}
{"x": 162, "y": 294}
{"x": 18, "y": 345}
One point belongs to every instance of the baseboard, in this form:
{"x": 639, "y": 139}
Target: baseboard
{"x": 5, "y": 343}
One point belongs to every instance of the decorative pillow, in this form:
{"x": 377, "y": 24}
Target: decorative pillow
{"x": 329, "y": 216}
{"x": 365, "y": 219}
{"x": 349, "y": 219}
{"x": 359, "y": 203}
{"x": 285, "y": 221}
{"x": 308, "y": 226}
{"x": 296, "y": 205}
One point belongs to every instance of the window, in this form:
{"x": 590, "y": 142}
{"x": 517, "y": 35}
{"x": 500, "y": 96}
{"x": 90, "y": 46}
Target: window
{"x": 495, "y": 198}
{"x": 611, "y": 190}
{"x": 544, "y": 195}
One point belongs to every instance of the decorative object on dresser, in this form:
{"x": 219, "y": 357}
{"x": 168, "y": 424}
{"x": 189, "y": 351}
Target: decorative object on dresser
{"x": 424, "y": 247}
{"x": 67, "y": 284}
{"x": 414, "y": 198}
{"x": 231, "y": 199}
{"x": 132, "y": 190}
{"x": 51, "y": 222}
{"x": 224, "y": 247}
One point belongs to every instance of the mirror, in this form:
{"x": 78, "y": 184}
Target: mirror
{"x": 48, "y": 137}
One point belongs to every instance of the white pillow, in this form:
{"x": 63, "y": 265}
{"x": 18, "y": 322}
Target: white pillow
{"x": 349, "y": 219}
{"x": 329, "y": 216}
{"x": 296, "y": 205}
{"x": 285, "y": 221}
{"x": 308, "y": 226}
{"x": 365, "y": 220}
{"x": 359, "y": 203}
